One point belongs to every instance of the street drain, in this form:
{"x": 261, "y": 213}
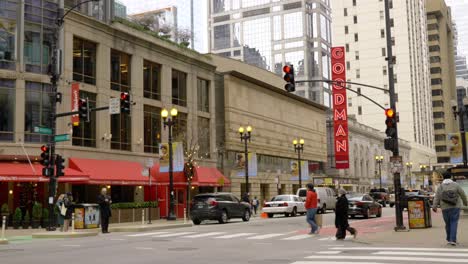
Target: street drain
{"x": 182, "y": 249}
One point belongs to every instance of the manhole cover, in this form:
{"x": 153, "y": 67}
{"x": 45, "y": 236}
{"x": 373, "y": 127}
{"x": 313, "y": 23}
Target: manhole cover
{"x": 182, "y": 249}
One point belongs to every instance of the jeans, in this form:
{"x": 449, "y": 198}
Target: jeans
{"x": 311, "y": 219}
{"x": 451, "y": 217}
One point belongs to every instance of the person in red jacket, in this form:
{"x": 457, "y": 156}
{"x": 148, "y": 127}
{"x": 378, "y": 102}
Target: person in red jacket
{"x": 311, "y": 206}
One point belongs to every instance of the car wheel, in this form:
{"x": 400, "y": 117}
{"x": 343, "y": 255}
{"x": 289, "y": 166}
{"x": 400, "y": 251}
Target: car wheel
{"x": 294, "y": 212}
{"x": 196, "y": 221}
{"x": 391, "y": 205}
{"x": 366, "y": 214}
{"x": 246, "y": 216}
{"x": 324, "y": 209}
{"x": 379, "y": 214}
{"x": 384, "y": 204}
{"x": 270, "y": 215}
{"x": 224, "y": 217}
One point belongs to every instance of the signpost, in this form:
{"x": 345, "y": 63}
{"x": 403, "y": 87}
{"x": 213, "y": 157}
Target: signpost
{"x": 43, "y": 130}
{"x": 62, "y": 137}
{"x": 114, "y": 106}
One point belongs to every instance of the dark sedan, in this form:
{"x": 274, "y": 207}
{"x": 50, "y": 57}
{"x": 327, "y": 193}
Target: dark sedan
{"x": 218, "y": 206}
{"x": 363, "y": 204}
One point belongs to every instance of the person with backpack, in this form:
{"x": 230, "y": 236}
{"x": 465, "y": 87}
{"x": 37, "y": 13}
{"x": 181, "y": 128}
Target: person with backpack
{"x": 449, "y": 197}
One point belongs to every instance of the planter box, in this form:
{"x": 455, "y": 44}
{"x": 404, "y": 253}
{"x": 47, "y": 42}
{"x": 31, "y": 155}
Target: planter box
{"x": 132, "y": 215}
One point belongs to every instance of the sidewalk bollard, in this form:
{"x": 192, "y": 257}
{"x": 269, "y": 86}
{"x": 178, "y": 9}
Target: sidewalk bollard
{"x": 3, "y": 228}
{"x": 185, "y": 215}
{"x": 73, "y": 222}
{"x": 143, "y": 217}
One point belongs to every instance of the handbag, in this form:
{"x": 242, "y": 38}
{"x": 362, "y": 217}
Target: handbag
{"x": 63, "y": 210}
{"x": 319, "y": 219}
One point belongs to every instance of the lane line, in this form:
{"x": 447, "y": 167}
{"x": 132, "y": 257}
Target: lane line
{"x": 335, "y": 262}
{"x": 117, "y": 239}
{"x": 422, "y": 259}
{"x": 71, "y": 245}
{"x": 143, "y": 248}
{"x": 432, "y": 254}
{"x": 329, "y": 252}
{"x": 236, "y": 235}
{"x": 175, "y": 234}
{"x": 266, "y": 236}
{"x": 299, "y": 237}
{"x": 400, "y": 249}
{"x": 147, "y": 234}
{"x": 206, "y": 234}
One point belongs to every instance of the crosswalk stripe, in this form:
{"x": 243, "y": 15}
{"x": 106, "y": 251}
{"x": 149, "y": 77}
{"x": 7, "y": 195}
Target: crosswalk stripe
{"x": 334, "y": 262}
{"x": 329, "y": 252}
{"x": 265, "y": 236}
{"x": 175, "y": 234}
{"x": 206, "y": 234}
{"x": 391, "y": 258}
{"x": 400, "y": 249}
{"x": 146, "y": 234}
{"x": 298, "y": 237}
{"x": 427, "y": 254}
{"x": 236, "y": 235}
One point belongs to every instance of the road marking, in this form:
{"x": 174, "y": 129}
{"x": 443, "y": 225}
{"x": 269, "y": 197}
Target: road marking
{"x": 206, "y": 234}
{"x": 146, "y": 234}
{"x": 400, "y": 249}
{"x": 175, "y": 234}
{"x": 71, "y": 245}
{"x": 236, "y": 235}
{"x": 434, "y": 254}
{"x": 329, "y": 252}
{"x": 143, "y": 248}
{"x": 266, "y": 236}
{"x": 408, "y": 259}
{"x": 298, "y": 237}
{"x": 334, "y": 262}
{"x": 117, "y": 239}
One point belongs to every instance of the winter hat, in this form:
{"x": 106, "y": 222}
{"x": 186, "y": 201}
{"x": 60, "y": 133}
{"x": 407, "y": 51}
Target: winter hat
{"x": 341, "y": 191}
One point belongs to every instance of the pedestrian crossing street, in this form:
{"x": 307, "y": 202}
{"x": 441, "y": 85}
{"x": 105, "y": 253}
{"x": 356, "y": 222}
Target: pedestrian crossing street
{"x": 386, "y": 255}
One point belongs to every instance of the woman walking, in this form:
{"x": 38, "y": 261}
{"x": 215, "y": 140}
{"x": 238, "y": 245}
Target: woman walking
{"x": 341, "y": 216}
{"x": 68, "y": 203}
{"x": 60, "y": 217}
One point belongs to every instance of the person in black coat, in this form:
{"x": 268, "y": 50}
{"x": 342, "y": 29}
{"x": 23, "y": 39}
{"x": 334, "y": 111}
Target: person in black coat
{"x": 341, "y": 218}
{"x": 68, "y": 203}
{"x": 104, "y": 202}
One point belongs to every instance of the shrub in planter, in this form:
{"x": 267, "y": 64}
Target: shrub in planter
{"x": 26, "y": 220}
{"x": 36, "y": 215}
{"x": 45, "y": 217}
{"x": 17, "y": 218}
{"x": 5, "y": 212}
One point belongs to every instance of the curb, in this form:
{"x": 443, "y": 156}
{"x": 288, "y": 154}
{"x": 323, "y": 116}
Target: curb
{"x": 3, "y": 242}
{"x": 64, "y": 235}
{"x": 147, "y": 228}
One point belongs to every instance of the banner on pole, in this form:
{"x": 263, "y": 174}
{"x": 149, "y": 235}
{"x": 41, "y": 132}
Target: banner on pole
{"x": 75, "y": 96}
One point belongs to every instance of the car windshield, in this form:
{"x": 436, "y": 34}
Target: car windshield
{"x": 303, "y": 193}
{"x": 202, "y": 198}
{"x": 282, "y": 198}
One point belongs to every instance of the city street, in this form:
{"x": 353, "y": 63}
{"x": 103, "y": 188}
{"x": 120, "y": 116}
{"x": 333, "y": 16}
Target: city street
{"x": 277, "y": 240}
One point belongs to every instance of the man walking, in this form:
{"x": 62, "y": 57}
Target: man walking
{"x": 341, "y": 216}
{"x": 104, "y": 202}
{"x": 311, "y": 206}
{"x": 449, "y": 197}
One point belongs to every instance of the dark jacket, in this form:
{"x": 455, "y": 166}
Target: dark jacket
{"x": 104, "y": 205}
{"x": 68, "y": 203}
{"x": 246, "y": 198}
{"x": 341, "y": 212}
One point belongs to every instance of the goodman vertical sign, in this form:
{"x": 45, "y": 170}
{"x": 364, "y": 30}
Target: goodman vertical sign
{"x": 340, "y": 112}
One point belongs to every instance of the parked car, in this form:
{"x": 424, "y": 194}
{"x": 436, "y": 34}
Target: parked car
{"x": 218, "y": 206}
{"x": 289, "y": 205}
{"x": 391, "y": 199}
{"x": 380, "y": 195}
{"x": 326, "y": 198}
{"x": 363, "y": 204}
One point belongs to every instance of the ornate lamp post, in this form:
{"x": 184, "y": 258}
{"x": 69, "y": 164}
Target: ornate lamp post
{"x": 379, "y": 160}
{"x": 299, "y": 148}
{"x": 245, "y": 137}
{"x": 170, "y": 122}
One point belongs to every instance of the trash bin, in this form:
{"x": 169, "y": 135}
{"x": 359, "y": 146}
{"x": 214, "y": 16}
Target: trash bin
{"x": 87, "y": 216}
{"x": 419, "y": 212}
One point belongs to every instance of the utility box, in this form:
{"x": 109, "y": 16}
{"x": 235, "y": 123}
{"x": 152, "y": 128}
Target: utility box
{"x": 419, "y": 212}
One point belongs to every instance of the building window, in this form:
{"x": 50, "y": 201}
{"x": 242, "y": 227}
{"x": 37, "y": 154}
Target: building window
{"x": 439, "y": 126}
{"x": 436, "y": 81}
{"x": 440, "y": 138}
{"x": 436, "y": 70}
{"x": 347, "y": 47}
{"x": 435, "y": 59}
{"x": 356, "y": 54}
{"x": 438, "y": 103}
{"x": 346, "y": 31}
{"x": 434, "y": 48}
{"x": 348, "y": 65}
{"x": 382, "y": 33}
{"x": 152, "y": 80}
{"x": 393, "y": 41}
{"x": 38, "y": 110}
{"x": 203, "y": 95}
{"x": 85, "y": 134}
{"x": 84, "y": 61}
{"x": 355, "y": 19}
{"x": 359, "y": 110}
{"x": 8, "y": 31}
{"x": 152, "y": 126}
{"x": 204, "y": 137}
{"x": 441, "y": 148}
{"x": 358, "y": 73}
{"x": 354, "y": 2}
{"x": 7, "y": 109}
{"x": 382, "y": 15}
{"x": 356, "y": 37}
{"x": 439, "y": 115}
{"x": 179, "y": 88}
{"x": 390, "y": 4}
{"x": 120, "y": 71}
{"x": 358, "y": 90}
{"x": 345, "y": 11}
{"x": 179, "y": 131}
{"x": 384, "y": 70}
{"x": 121, "y": 130}
{"x": 222, "y": 37}
{"x": 384, "y": 52}
{"x": 437, "y": 92}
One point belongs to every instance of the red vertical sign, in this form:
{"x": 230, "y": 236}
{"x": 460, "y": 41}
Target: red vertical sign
{"x": 75, "y": 96}
{"x": 340, "y": 112}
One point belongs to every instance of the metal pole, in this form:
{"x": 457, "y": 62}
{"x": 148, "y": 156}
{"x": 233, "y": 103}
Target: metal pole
{"x": 461, "y": 115}
{"x": 380, "y": 173}
{"x": 3, "y": 228}
{"x": 171, "y": 215}
{"x": 73, "y": 222}
{"x": 149, "y": 209}
{"x": 391, "y": 89}
{"x": 300, "y": 169}
{"x": 246, "y": 153}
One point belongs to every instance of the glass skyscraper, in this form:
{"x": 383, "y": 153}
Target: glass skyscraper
{"x": 459, "y": 9}
{"x": 272, "y": 33}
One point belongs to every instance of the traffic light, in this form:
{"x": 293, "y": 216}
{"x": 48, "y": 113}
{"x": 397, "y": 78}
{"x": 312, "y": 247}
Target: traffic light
{"x": 289, "y": 78}
{"x": 83, "y": 109}
{"x": 390, "y": 122}
{"x": 59, "y": 160}
{"x": 125, "y": 103}
{"x": 46, "y": 160}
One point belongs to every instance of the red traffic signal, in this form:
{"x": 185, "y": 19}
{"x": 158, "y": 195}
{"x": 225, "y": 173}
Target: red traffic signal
{"x": 125, "y": 103}
{"x": 289, "y": 78}
{"x": 286, "y": 69}
{"x": 390, "y": 113}
{"x": 124, "y": 96}
{"x": 44, "y": 148}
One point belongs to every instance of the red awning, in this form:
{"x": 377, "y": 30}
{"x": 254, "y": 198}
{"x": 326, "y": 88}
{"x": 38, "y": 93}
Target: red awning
{"x": 111, "y": 172}
{"x": 24, "y": 172}
{"x": 209, "y": 176}
{"x": 162, "y": 178}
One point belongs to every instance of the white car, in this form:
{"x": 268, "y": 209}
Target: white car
{"x": 289, "y": 205}
{"x": 326, "y": 198}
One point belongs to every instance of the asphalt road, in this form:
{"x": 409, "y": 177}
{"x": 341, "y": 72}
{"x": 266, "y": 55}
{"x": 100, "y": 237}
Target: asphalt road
{"x": 269, "y": 241}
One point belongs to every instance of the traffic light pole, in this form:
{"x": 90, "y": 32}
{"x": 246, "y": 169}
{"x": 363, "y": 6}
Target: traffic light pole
{"x": 391, "y": 88}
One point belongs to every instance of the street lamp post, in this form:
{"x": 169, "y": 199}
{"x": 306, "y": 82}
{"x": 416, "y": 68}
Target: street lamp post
{"x": 461, "y": 113}
{"x": 245, "y": 137}
{"x": 409, "y": 166}
{"x": 298, "y": 148}
{"x": 379, "y": 160}
{"x": 422, "y": 168}
{"x": 170, "y": 122}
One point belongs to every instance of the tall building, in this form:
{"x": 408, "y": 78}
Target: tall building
{"x": 462, "y": 87}
{"x": 269, "y": 34}
{"x": 442, "y": 61}
{"x": 360, "y": 27}
{"x": 459, "y": 9}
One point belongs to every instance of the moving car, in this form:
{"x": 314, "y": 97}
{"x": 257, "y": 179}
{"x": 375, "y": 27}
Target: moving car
{"x": 218, "y": 206}
{"x": 363, "y": 204}
{"x": 326, "y": 198}
{"x": 289, "y": 205}
{"x": 380, "y": 195}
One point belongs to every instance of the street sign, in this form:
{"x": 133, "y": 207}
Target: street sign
{"x": 43, "y": 130}
{"x": 63, "y": 137}
{"x": 145, "y": 173}
{"x": 149, "y": 163}
{"x": 114, "y": 106}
